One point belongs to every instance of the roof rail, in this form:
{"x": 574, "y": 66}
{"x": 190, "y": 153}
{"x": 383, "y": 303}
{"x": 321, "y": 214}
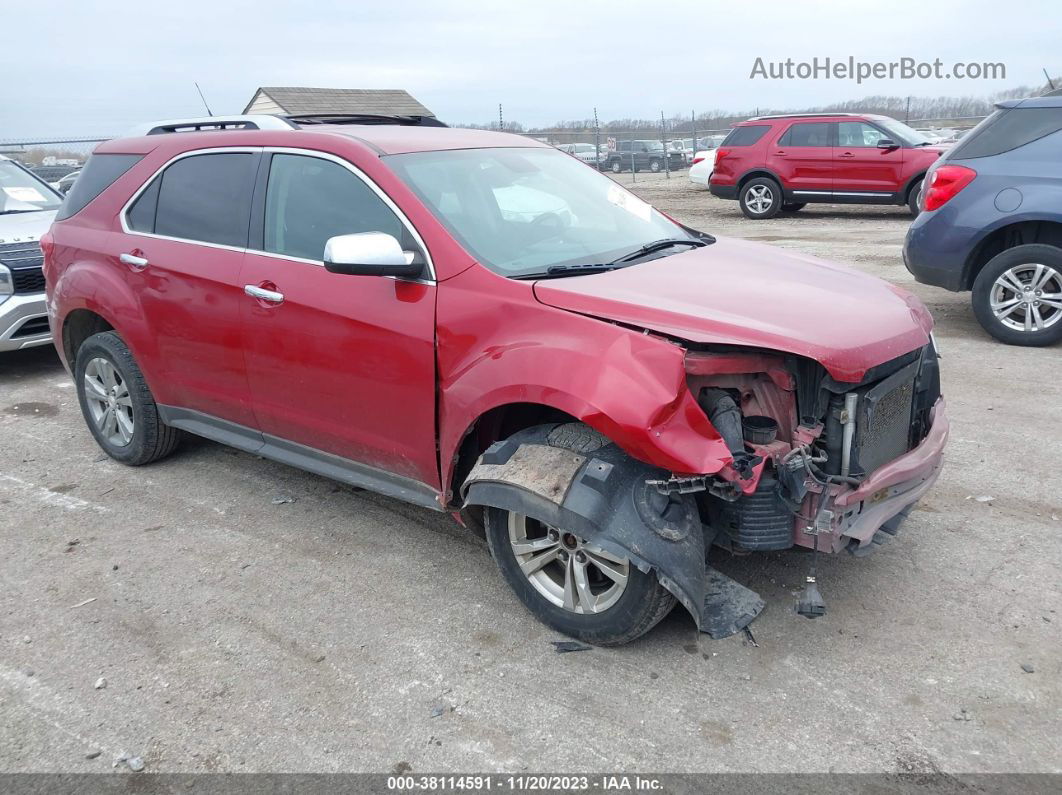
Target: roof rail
{"x": 212, "y": 123}
{"x": 365, "y": 118}
{"x": 804, "y": 115}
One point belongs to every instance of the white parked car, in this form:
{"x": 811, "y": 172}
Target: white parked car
{"x": 27, "y": 207}
{"x": 703, "y": 165}
{"x": 588, "y": 153}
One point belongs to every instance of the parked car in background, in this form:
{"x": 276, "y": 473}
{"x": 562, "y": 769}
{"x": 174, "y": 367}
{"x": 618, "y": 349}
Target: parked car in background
{"x": 27, "y": 207}
{"x": 683, "y": 147}
{"x": 991, "y": 222}
{"x": 701, "y": 168}
{"x": 66, "y": 183}
{"x": 605, "y": 395}
{"x": 588, "y": 153}
{"x": 646, "y": 155}
{"x": 52, "y": 174}
{"x": 774, "y": 164}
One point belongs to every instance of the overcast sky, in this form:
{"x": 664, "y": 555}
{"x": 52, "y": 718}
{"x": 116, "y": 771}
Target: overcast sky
{"x": 90, "y": 67}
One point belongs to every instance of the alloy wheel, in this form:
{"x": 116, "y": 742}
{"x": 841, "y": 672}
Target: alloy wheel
{"x": 1027, "y": 297}
{"x": 759, "y": 198}
{"x": 569, "y": 572}
{"x": 109, "y": 401}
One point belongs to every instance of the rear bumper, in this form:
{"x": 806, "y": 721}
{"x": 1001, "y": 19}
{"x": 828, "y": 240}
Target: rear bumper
{"x": 935, "y": 252}
{"x": 723, "y": 191}
{"x": 886, "y": 493}
{"x": 20, "y": 319}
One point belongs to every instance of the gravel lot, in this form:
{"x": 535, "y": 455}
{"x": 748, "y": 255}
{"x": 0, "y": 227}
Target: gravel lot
{"x": 348, "y": 632}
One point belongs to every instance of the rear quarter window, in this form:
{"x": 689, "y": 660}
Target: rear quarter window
{"x": 1006, "y": 130}
{"x": 99, "y": 173}
{"x": 746, "y": 136}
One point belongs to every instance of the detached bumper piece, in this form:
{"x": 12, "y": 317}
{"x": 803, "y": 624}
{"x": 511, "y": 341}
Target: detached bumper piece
{"x": 603, "y": 497}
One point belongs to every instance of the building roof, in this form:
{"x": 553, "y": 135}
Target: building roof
{"x": 298, "y": 99}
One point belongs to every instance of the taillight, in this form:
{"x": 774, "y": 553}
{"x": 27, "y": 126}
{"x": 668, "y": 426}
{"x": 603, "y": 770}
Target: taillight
{"x": 720, "y": 154}
{"x": 944, "y": 184}
{"x": 697, "y": 160}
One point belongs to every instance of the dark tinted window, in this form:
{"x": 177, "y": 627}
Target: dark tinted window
{"x": 99, "y": 173}
{"x": 745, "y": 136}
{"x": 309, "y": 200}
{"x": 207, "y": 198}
{"x": 141, "y": 216}
{"x": 1008, "y": 129}
{"x": 815, "y": 133}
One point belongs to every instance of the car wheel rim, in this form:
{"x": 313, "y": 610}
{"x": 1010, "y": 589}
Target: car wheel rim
{"x": 1028, "y": 297}
{"x": 759, "y": 198}
{"x": 567, "y": 571}
{"x": 109, "y": 402}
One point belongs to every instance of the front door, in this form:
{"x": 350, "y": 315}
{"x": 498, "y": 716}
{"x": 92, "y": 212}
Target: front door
{"x": 340, "y": 364}
{"x": 803, "y": 158}
{"x": 862, "y": 168}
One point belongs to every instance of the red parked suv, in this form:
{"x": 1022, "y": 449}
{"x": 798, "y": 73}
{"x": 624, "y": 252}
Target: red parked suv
{"x": 774, "y": 164}
{"x": 477, "y": 323}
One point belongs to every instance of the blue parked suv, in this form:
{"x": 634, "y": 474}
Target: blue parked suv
{"x": 991, "y": 222}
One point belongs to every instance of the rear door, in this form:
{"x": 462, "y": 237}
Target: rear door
{"x": 803, "y": 158}
{"x": 186, "y": 232}
{"x": 860, "y": 167}
{"x": 340, "y": 364}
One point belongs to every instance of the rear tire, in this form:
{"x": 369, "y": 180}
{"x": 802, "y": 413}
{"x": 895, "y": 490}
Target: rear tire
{"x": 760, "y": 198}
{"x": 912, "y": 198}
{"x": 1017, "y": 296}
{"x": 117, "y": 405}
{"x": 611, "y": 612}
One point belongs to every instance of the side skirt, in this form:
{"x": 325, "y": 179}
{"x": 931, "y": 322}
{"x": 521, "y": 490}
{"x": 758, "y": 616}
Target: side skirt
{"x": 301, "y": 457}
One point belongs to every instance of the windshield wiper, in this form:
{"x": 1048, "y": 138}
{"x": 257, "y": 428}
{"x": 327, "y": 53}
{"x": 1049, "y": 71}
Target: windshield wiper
{"x": 658, "y": 245}
{"x": 569, "y": 270}
{"x": 12, "y": 212}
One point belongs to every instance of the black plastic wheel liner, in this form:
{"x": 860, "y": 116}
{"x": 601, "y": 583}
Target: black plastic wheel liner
{"x": 603, "y": 497}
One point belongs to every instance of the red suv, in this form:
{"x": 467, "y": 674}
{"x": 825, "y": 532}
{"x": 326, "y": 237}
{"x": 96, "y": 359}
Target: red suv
{"x": 774, "y": 164}
{"x": 475, "y": 322}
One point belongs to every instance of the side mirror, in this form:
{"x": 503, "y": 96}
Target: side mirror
{"x": 887, "y": 143}
{"x": 369, "y": 254}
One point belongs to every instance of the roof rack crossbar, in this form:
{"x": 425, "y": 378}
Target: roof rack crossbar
{"x": 213, "y": 123}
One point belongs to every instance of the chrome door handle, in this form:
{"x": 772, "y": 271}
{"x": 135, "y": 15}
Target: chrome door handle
{"x": 133, "y": 261}
{"x": 263, "y": 295}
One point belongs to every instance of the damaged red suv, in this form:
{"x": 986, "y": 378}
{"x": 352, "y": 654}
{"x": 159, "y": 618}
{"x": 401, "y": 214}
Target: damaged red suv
{"x": 477, "y": 323}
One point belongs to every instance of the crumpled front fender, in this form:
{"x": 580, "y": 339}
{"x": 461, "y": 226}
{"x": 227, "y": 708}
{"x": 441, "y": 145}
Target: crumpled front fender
{"x": 603, "y": 497}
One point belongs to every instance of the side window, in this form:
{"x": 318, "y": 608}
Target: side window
{"x": 857, "y": 134}
{"x": 807, "y": 134}
{"x": 207, "y": 198}
{"x": 141, "y": 216}
{"x": 309, "y": 200}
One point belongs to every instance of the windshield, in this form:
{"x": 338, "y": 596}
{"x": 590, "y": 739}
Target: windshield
{"x": 901, "y": 132}
{"x": 521, "y": 211}
{"x": 22, "y": 192}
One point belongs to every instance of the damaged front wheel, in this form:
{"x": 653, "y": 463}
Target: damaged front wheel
{"x": 574, "y": 586}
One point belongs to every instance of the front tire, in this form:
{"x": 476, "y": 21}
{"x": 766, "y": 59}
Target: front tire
{"x": 574, "y": 586}
{"x": 654, "y": 166}
{"x": 616, "y": 167}
{"x": 1017, "y": 296}
{"x": 760, "y": 198}
{"x": 117, "y": 405}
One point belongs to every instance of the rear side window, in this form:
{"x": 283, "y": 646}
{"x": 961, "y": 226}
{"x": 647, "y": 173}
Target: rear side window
{"x": 141, "y": 216}
{"x": 1007, "y": 129}
{"x": 206, "y": 198}
{"x": 746, "y": 136}
{"x": 99, "y": 173}
{"x": 807, "y": 134}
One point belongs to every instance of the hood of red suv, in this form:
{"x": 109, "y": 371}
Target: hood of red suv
{"x": 740, "y": 293}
